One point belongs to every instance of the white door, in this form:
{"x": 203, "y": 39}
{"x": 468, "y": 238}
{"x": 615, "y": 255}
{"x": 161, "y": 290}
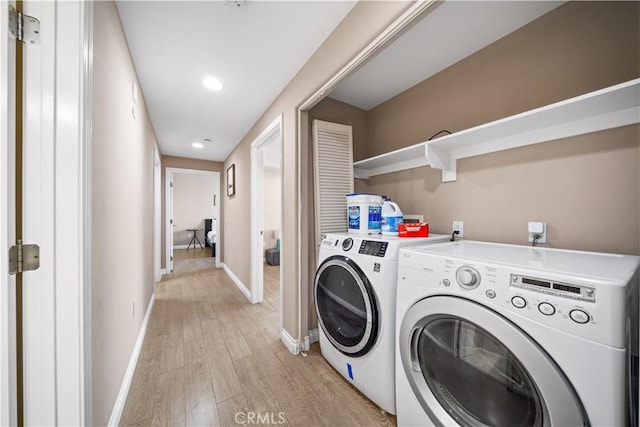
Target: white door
{"x": 42, "y": 202}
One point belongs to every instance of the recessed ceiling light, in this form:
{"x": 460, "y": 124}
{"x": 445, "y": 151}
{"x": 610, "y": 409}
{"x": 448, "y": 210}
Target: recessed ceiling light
{"x": 197, "y": 145}
{"x": 212, "y": 83}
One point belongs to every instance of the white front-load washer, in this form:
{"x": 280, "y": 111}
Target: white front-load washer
{"x": 355, "y": 300}
{"x": 504, "y": 335}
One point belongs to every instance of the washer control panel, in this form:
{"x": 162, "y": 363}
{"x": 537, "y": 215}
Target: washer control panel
{"x": 554, "y": 288}
{"x": 589, "y": 307}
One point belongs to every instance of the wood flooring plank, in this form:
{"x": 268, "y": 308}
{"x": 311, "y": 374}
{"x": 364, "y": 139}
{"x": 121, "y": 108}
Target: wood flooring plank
{"x": 139, "y": 406}
{"x": 359, "y": 405}
{"x": 236, "y": 343}
{"x": 172, "y": 354}
{"x": 328, "y": 403}
{"x": 295, "y": 404}
{"x": 244, "y": 321}
{"x": 200, "y": 401}
{"x": 223, "y": 375}
{"x": 260, "y": 397}
{"x": 195, "y": 352}
{"x": 205, "y": 310}
{"x": 233, "y": 411}
{"x": 169, "y": 404}
{"x": 191, "y": 323}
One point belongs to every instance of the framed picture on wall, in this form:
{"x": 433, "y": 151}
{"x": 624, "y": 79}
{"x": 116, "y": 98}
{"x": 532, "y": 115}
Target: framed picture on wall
{"x": 231, "y": 180}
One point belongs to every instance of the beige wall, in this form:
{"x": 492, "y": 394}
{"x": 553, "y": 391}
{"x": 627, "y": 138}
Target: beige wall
{"x": 365, "y": 21}
{"x": 586, "y": 188}
{"x": 195, "y": 164}
{"x": 192, "y": 202}
{"x": 122, "y": 211}
{"x": 272, "y": 206}
{"x": 577, "y": 48}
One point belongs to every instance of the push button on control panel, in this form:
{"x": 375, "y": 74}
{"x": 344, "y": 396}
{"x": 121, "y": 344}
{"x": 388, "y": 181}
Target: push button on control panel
{"x": 579, "y": 316}
{"x": 546, "y": 308}
{"x": 519, "y": 302}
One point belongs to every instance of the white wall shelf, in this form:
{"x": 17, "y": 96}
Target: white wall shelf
{"x": 607, "y": 108}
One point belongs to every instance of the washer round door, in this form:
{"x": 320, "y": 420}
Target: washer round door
{"x": 470, "y": 366}
{"x": 346, "y": 306}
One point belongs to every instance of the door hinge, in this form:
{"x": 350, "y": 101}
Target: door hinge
{"x": 23, "y": 258}
{"x": 23, "y": 27}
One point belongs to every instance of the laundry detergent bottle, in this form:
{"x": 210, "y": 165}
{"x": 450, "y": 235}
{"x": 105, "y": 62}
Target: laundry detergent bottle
{"x": 391, "y": 217}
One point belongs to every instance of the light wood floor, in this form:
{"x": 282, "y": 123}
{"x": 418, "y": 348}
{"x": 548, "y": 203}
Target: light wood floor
{"x": 211, "y": 358}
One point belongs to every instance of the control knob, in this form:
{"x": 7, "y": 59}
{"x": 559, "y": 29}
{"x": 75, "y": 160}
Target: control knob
{"x": 468, "y": 277}
{"x": 347, "y": 243}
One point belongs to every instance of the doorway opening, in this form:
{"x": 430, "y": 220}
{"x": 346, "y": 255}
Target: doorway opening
{"x": 192, "y": 219}
{"x": 266, "y": 216}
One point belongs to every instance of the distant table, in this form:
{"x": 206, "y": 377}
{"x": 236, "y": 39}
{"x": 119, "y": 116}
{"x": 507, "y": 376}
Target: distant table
{"x": 194, "y": 238}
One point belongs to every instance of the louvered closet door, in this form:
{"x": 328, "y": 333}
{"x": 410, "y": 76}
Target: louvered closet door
{"x": 333, "y": 173}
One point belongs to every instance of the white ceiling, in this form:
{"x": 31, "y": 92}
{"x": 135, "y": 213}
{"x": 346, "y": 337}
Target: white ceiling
{"x": 254, "y": 49}
{"x": 451, "y": 32}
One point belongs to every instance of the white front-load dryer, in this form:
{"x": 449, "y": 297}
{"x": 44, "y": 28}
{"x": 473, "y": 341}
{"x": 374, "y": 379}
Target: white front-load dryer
{"x": 502, "y": 335}
{"x": 355, "y": 300}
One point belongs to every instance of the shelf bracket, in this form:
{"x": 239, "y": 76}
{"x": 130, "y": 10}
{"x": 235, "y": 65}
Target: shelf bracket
{"x": 360, "y": 173}
{"x": 440, "y": 159}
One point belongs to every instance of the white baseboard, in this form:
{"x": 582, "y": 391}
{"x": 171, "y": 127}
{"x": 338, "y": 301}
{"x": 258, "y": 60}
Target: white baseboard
{"x": 237, "y": 281}
{"x": 118, "y": 407}
{"x": 163, "y": 272}
{"x": 314, "y": 335}
{"x": 292, "y": 344}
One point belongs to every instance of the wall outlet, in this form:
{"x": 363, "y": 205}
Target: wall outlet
{"x": 459, "y": 227}
{"x": 537, "y": 229}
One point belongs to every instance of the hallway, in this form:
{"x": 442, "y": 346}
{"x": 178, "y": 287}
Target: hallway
{"x": 212, "y": 358}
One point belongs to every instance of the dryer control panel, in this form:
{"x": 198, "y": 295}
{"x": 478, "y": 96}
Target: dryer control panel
{"x": 369, "y": 247}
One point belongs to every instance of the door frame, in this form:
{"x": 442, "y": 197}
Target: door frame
{"x": 272, "y": 132}
{"x": 303, "y": 170}
{"x": 8, "y": 403}
{"x": 157, "y": 215}
{"x": 169, "y": 172}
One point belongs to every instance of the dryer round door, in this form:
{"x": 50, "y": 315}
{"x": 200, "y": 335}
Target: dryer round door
{"x": 346, "y": 306}
{"x": 470, "y": 366}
